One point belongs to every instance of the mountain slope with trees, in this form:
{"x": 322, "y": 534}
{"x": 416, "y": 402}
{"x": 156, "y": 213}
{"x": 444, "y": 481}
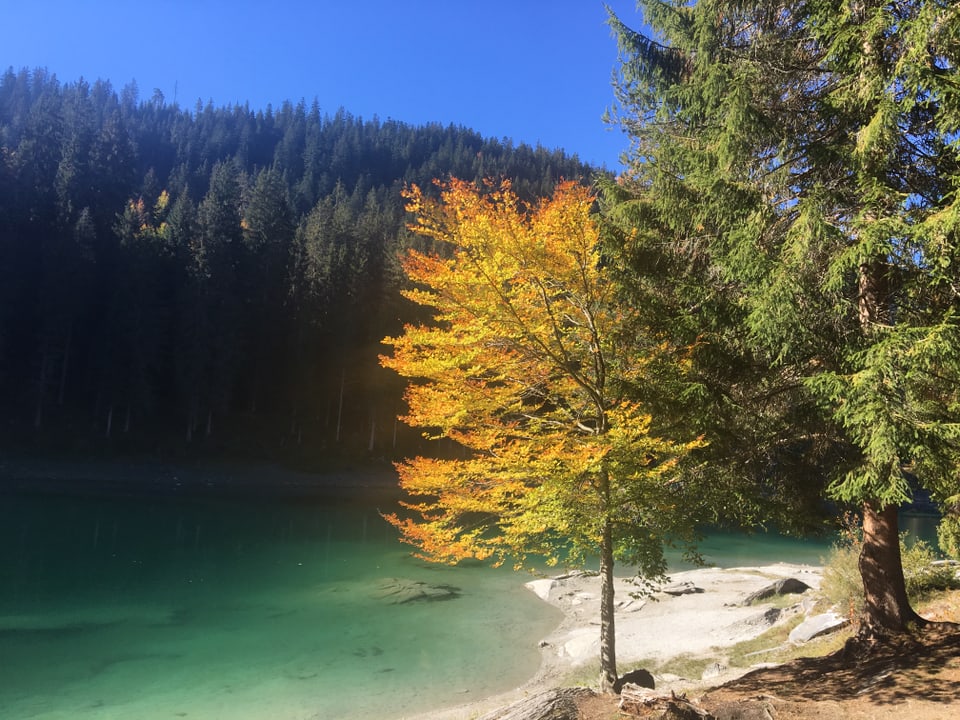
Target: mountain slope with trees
{"x": 214, "y": 280}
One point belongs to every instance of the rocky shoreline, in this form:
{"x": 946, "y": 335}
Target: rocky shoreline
{"x": 694, "y": 613}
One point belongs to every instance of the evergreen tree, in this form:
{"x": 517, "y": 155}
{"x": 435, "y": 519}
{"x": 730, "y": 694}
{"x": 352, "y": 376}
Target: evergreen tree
{"x": 190, "y": 330}
{"x": 217, "y": 255}
{"x": 138, "y": 313}
{"x": 259, "y": 289}
{"x": 268, "y": 229}
{"x": 792, "y": 203}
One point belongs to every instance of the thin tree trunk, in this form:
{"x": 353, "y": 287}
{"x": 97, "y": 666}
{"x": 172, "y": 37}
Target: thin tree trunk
{"x": 887, "y": 607}
{"x": 343, "y": 385}
{"x": 64, "y": 366}
{"x": 192, "y": 418}
{"x": 608, "y": 646}
{"x": 41, "y": 388}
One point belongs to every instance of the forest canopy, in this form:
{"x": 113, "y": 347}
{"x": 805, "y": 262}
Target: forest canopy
{"x": 215, "y": 278}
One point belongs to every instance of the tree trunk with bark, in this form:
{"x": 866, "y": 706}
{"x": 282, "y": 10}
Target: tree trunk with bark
{"x": 886, "y": 606}
{"x": 608, "y": 646}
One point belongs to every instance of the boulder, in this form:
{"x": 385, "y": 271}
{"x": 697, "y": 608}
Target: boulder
{"x": 639, "y": 677}
{"x": 713, "y": 670}
{"x": 398, "y": 591}
{"x": 632, "y": 605}
{"x": 681, "y": 588}
{"x": 541, "y": 588}
{"x": 786, "y": 586}
{"x": 755, "y": 624}
{"x": 817, "y": 625}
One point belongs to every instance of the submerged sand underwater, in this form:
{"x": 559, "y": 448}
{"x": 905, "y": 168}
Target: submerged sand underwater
{"x": 162, "y": 606}
{"x": 237, "y": 609}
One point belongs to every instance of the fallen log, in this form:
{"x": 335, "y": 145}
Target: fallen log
{"x": 643, "y": 702}
{"x": 559, "y": 704}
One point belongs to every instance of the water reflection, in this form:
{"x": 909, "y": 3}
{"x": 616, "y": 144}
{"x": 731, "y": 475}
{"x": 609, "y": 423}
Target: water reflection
{"x": 152, "y": 607}
{"x": 157, "y": 607}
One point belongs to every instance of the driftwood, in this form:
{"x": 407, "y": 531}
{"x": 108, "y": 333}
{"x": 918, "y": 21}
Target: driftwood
{"x": 560, "y": 704}
{"x": 636, "y": 700}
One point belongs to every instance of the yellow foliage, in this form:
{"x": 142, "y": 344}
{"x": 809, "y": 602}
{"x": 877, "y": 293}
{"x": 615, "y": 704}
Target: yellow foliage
{"x": 162, "y": 203}
{"x": 523, "y": 368}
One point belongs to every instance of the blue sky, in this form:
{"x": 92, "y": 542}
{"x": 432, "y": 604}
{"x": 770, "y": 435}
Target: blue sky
{"x": 534, "y": 71}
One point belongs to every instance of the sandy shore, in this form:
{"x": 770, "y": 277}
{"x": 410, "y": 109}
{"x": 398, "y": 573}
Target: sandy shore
{"x": 650, "y": 630}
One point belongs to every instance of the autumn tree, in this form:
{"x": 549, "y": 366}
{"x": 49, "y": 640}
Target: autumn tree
{"x": 524, "y": 373}
{"x": 792, "y": 203}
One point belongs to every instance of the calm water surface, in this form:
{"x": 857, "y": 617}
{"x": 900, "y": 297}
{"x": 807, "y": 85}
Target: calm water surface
{"x": 169, "y": 607}
{"x": 149, "y": 608}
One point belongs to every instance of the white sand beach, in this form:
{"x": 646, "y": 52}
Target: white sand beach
{"x": 648, "y": 630}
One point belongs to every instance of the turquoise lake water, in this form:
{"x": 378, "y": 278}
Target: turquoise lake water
{"x": 176, "y": 608}
{"x": 168, "y": 607}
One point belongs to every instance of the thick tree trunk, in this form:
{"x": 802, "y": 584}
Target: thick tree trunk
{"x": 887, "y": 608}
{"x": 608, "y": 647}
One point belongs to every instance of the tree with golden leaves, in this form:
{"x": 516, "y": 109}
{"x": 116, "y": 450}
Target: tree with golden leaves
{"x": 525, "y": 369}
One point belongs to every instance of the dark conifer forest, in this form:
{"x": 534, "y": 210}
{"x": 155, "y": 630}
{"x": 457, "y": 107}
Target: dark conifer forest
{"x": 212, "y": 281}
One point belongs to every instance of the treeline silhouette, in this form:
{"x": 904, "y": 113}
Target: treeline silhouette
{"x": 213, "y": 281}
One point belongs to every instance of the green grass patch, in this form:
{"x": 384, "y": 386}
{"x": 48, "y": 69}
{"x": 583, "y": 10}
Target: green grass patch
{"x": 774, "y": 645}
{"x": 778, "y": 601}
{"x": 586, "y": 675}
{"x": 687, "y": 666}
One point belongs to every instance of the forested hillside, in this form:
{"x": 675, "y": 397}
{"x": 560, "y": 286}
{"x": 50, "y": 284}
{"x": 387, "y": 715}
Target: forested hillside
{"x": 214, "y": 280}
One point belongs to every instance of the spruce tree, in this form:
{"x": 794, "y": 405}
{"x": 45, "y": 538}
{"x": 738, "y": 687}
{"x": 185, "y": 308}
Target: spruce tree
{"x": 791, "y": 202}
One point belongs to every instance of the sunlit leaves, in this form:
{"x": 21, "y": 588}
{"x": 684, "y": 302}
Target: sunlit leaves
{"x": 804, "y": 164}
{"x": 523, "y": 370}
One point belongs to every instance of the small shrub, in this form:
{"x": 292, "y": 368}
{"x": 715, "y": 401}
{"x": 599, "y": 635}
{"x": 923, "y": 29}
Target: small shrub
{"x": 841, "y": 583}
{"x": 843, "y": 586}
{"x": 921, "y": 575}
{"x": 948, "y": 532}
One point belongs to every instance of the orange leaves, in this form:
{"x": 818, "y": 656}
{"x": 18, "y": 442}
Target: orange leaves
{"x": 519, "y": 369}
{"x": 518, "y": 300}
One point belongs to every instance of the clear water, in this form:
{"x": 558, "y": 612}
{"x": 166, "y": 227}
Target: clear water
{"x": 135, "y": 608}
{"x": 248, "y": 609}
{"x": 727, "y": 549}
